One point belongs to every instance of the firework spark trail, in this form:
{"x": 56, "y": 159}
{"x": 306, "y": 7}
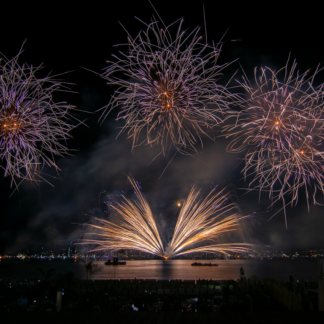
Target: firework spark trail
{"x": 137, "y": 230}
{"x": 225, "y": 249}
{"x": 281, "y": 128}
{"x": 168, "y": 89}
{"x": 199, "y": 226}
{"x": 202, "y": 221}
{"x": 32, "y": 125}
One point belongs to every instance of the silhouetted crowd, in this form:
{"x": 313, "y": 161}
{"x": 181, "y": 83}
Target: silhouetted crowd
{"x": 156, "y": 295}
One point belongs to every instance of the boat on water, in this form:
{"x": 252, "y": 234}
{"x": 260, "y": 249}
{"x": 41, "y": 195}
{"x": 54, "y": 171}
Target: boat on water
{"x": 115, "y": 262}
{"x": 204, "y": 264}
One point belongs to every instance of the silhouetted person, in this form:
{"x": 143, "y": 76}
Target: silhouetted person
{"x": 241, "y": 273}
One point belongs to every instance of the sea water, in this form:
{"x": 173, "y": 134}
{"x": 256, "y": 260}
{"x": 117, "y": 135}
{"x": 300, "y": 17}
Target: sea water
{"x": 165, "y": 270}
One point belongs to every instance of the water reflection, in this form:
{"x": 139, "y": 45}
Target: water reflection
{"x": 226, "y": 269}
{"x": 170, "y": 269}
{"x": 166, "y": 270}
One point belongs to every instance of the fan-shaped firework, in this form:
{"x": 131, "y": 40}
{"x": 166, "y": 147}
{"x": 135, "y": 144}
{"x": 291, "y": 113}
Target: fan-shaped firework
{"x": 167, "y": 87}
{"x": 281, "y": 128}
{"x": 31, "y": 123}
{"x": 200, "y": 225}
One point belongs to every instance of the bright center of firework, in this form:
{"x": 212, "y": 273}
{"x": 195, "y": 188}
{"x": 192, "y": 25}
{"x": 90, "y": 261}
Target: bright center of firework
{"x": 277, "y": 123}
{"x": 10, "y": 125}
{"x": 179, "y": 204}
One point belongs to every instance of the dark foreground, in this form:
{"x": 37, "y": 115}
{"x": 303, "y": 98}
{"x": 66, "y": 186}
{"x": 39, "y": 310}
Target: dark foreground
{"x": 164, "y": 317}
{"x": 67, "y": 294}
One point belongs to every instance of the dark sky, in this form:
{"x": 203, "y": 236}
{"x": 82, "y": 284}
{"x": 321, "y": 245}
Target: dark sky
{"x": 69, "y": 38}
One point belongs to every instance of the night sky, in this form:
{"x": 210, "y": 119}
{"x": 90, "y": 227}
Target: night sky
{"x": 73, "y": 38}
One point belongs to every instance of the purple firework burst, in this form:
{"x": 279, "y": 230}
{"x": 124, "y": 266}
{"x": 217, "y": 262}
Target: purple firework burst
{"x": 281, "y": 129}
{"x": 167, "y": 87}
{"x": 32, "y": 125}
